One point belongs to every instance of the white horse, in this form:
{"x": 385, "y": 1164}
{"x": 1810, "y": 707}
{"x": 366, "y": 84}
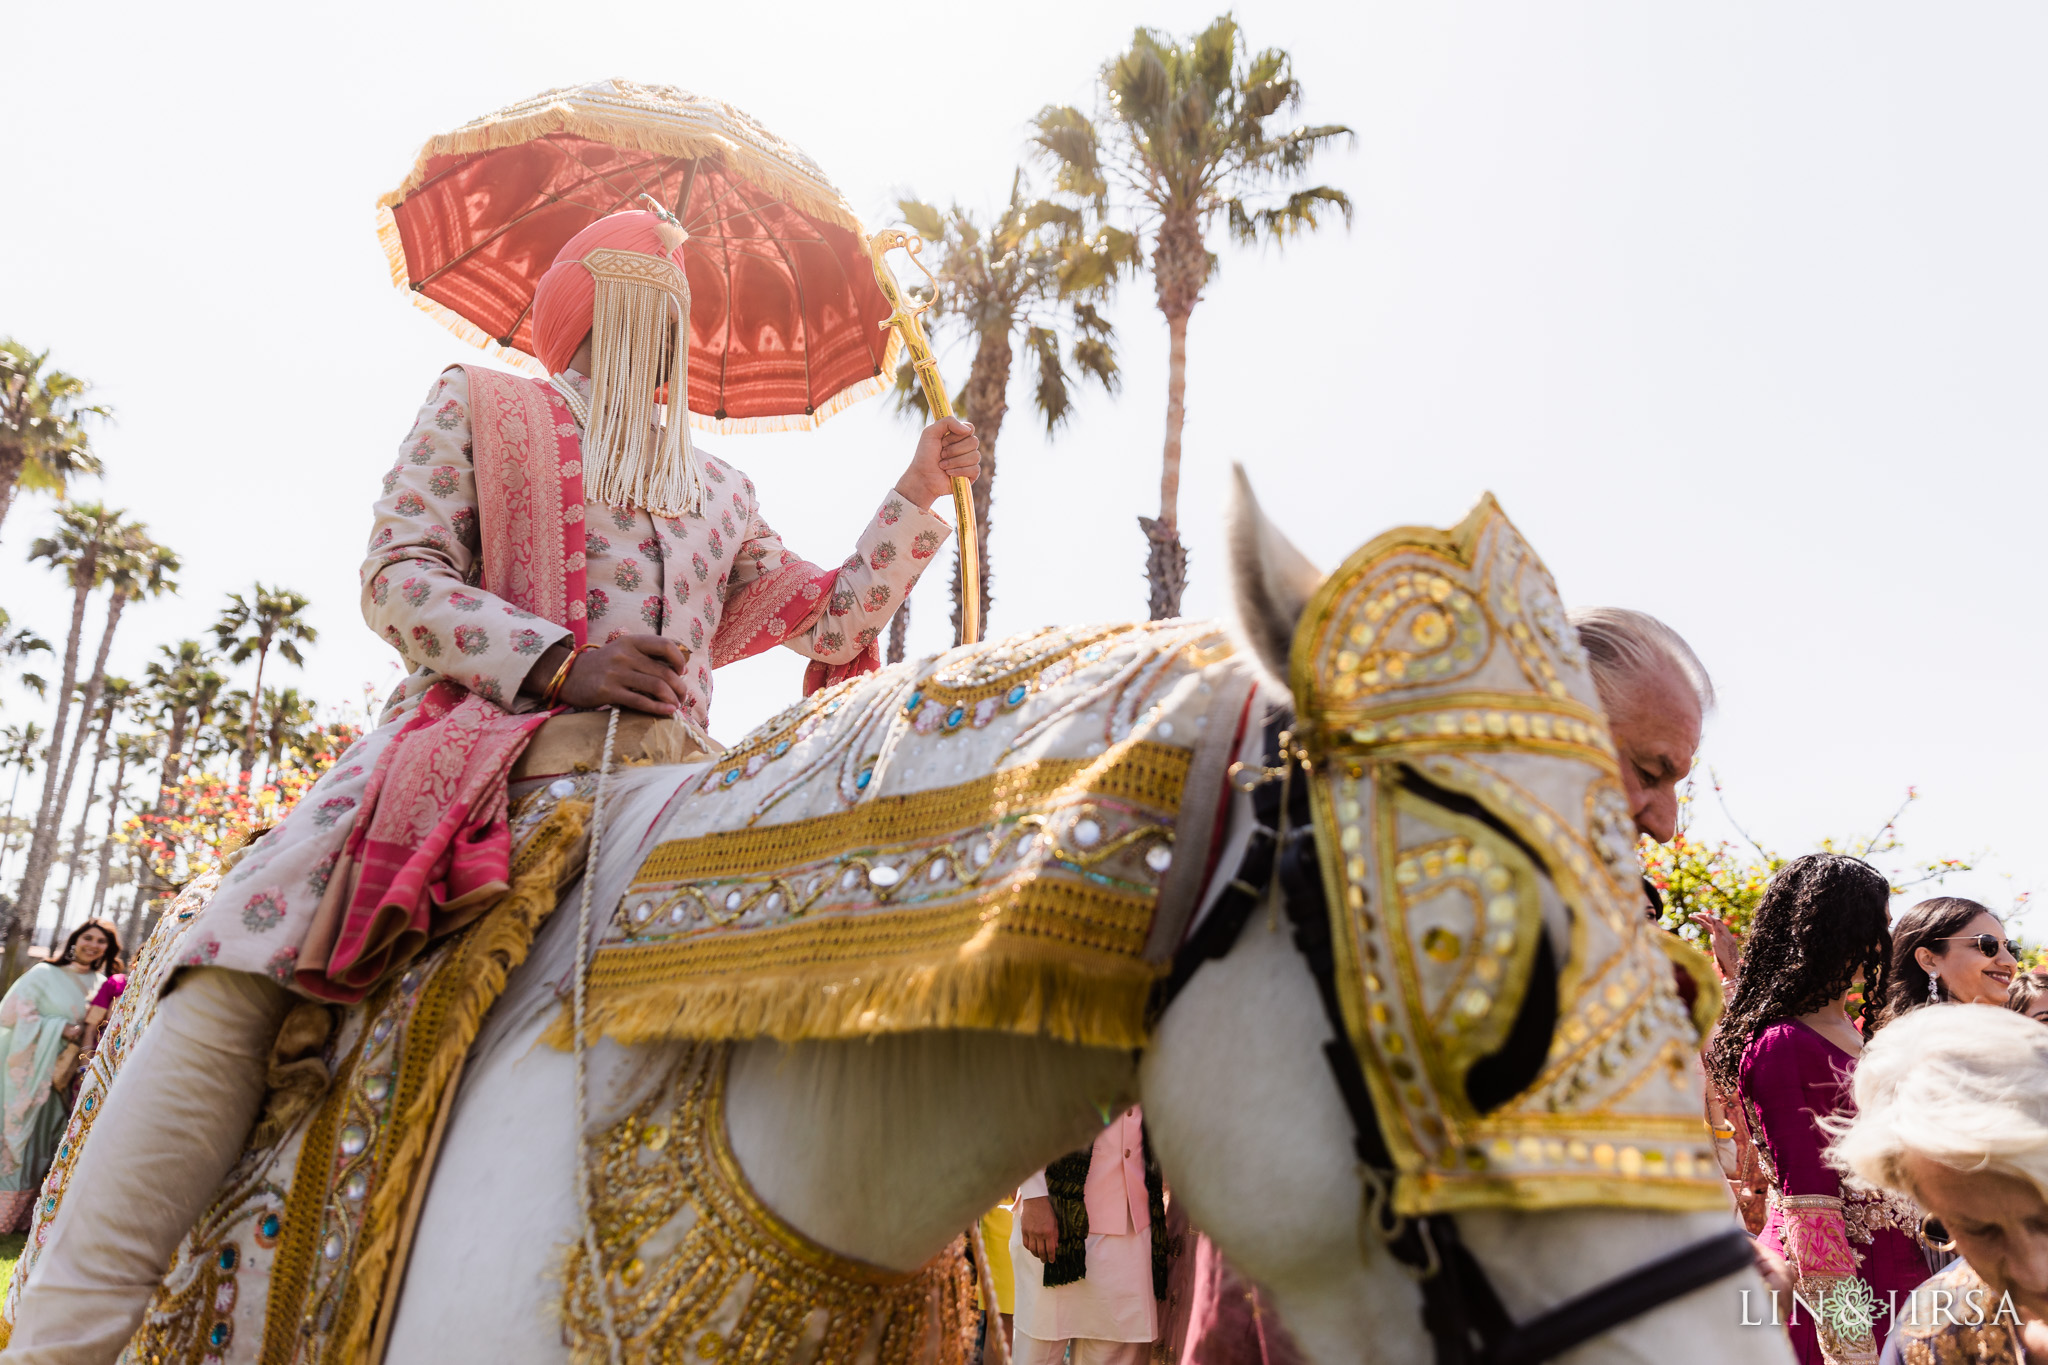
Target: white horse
{"x": 884, "y": 1150}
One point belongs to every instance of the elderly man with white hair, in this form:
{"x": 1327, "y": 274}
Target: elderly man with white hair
{"x": 1952, "y": 1110}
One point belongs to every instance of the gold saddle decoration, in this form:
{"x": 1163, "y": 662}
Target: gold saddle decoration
{"x": 698, "y": 1269}
{"x": 1444, "y": 698}
{"x": 984, "y": 840}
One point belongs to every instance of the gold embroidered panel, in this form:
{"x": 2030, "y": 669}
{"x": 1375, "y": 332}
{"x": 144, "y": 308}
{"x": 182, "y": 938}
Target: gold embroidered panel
{"x": 1467, "y": 800}
{"x": 290, "y": 1265}
{"x": 979, "y": 841}
{"x": 698, "y": 1269}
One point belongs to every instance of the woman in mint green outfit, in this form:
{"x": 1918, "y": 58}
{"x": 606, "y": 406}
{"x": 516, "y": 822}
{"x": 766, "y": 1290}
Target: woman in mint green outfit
{"x": 39, "y": 1020}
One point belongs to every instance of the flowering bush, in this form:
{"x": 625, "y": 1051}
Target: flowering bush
{"x": 1727, "y": 879}
{"x": 208, "y": 815}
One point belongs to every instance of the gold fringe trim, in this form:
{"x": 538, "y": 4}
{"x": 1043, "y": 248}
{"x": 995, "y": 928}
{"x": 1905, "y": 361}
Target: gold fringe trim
{"x": 499, "y": 943}
{"x": 1035, "y": 989}
{"x": 662, "y": 132}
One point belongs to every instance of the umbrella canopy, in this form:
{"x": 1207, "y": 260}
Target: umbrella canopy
{"x": 785, "y": 316}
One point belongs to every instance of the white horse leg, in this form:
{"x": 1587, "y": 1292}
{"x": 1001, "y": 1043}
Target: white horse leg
{"x": 1256, "y": 1143}
{"x": 886, "y": 1149}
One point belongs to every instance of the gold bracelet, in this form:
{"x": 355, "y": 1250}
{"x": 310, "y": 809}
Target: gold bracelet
{"x": 553, "y": 695}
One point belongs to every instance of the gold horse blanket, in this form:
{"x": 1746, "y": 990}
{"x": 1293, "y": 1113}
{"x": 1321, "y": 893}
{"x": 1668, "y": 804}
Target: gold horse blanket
{"x": 1010, "y": 836}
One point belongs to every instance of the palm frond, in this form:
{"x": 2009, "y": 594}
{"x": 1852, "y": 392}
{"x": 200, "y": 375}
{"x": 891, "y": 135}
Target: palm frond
{"x": 1050, "y": 395}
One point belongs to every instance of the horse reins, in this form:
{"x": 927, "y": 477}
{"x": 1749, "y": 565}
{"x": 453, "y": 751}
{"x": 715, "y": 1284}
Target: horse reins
{"x": 1460, "y": 1308}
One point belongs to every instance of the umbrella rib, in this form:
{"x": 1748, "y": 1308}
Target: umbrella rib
{"x": 803, "y": 318}
{"x": 725, "y": 351}
{"x": 756, "y": 210}
{"x": 516, "y": 220}
{"x": 513, "y": 330}
{"x": 689, "y": 182}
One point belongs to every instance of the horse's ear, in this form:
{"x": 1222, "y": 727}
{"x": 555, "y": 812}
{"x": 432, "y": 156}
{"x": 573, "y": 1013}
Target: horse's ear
{"x": 1271, "y": 581}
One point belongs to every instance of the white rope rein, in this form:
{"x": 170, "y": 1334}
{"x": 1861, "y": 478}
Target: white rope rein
{"x": 613, "y": 1346}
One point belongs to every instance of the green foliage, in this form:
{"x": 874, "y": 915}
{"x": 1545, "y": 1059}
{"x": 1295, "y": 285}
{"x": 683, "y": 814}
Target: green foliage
{"x": 1727, "y": 879}
{"x": 43, "y": 421}
{"x": 1192, "y": 129}
{"x": 1034, "y": 271}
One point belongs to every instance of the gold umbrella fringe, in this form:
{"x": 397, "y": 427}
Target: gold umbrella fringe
{"x": 774, "y": 165}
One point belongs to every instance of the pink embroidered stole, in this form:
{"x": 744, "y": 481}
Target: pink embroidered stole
{"x": 431, "y": 846}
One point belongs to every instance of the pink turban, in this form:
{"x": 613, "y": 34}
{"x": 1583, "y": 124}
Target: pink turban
{"x": 565, "y": 297}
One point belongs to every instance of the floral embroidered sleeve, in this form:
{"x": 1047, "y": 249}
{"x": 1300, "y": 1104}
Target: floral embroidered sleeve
{"x": 421, "y": 578}
{"x": 891, "y": 554}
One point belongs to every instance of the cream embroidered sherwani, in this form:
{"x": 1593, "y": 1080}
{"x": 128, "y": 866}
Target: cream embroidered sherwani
{"x": 671, "y": 576}
{"x": 675, "y": 577}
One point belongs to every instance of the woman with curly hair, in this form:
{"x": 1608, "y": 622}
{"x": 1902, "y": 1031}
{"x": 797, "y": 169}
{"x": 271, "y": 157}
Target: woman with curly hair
{"x": 1786, "y": 1048}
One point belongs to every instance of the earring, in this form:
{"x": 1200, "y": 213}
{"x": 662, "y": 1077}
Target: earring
{"x": 1933, "y": 989}
{"x": 1935, "y": 1235}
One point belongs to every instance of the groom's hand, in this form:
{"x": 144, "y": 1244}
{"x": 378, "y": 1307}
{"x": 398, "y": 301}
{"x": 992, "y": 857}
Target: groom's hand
{"x": 636, "y": 672}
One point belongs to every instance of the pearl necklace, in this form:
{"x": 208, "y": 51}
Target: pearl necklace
{"x": 579, "y": 407}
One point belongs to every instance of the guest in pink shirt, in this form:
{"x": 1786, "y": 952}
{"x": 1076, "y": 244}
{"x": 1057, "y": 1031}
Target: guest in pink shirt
{"x": 1110, "y": 1312}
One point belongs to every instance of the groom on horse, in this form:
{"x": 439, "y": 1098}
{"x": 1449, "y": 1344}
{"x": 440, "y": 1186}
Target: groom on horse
{"x": 540, "y": 546}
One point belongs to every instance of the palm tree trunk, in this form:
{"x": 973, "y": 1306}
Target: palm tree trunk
{"x": 41, "y": 844}
{"x": 1180, "y": 267}
{"x": 987, "y": 402}
{"x": 7, "y": 839}
{"x": 92, "y": 796}
{"x": 12, "y": 458}
{"x": 114, "y": 794}
{"x": 37, "y": 876}
{"x": 174, "y": 758}
{"x": 247, "y": 759}
{"x": 1166, "y": 559}
{"x": 899, "y": 632}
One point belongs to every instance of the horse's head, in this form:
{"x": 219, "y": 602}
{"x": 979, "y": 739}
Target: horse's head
{"x": 1512, "y": 1010}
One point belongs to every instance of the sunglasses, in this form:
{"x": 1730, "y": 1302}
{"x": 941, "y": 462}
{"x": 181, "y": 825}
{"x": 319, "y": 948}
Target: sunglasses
{"x": 1987, "y": 944}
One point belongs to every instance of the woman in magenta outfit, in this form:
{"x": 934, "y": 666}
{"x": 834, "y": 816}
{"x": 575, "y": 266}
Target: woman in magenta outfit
{"x": 1786, "y": 1048}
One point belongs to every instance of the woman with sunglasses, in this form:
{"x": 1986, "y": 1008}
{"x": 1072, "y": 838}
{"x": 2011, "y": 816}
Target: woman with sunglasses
{"x": 1948, "y": 948}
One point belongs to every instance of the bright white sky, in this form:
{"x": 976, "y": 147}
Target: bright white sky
{"x": 1738, "y": 309}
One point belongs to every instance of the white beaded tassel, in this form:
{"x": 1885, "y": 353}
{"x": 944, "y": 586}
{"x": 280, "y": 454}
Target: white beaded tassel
{"x": 635, "y": 454}
{"x": 614, "y": 1348}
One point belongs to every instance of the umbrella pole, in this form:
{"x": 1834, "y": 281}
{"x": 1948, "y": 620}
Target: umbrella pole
{"x": 904, "y": 317}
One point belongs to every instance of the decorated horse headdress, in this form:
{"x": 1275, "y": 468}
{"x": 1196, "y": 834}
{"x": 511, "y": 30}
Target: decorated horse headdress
{"x": 1466, "y": 796}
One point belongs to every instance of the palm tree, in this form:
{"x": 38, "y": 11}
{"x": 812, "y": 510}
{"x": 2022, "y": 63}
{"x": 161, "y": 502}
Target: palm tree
{"x": 131, "y": 565}
{"x": 19, "y": 643}
{"x": 1030, "y": 275}
{"x": 130, "y": 751}
{"x": 116, "y": 695}
{"x": 1186, "y": 133}
{"x": 186, "y": 689}
{"x": 268, "y": 618}
{"x": 43, "y": 440}
{"x": 84, "y": 531}
{"x": 287, "y": 716}
{"x": 20, "y": 745}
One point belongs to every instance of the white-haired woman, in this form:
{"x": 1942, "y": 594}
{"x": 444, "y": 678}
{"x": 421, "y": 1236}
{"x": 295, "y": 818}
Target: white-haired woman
{"x": 1952, "y": 1110}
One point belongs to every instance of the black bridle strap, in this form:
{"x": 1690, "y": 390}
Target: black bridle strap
{"x": 1460, "y": 1309}
{"x": 1601, "y": 1309}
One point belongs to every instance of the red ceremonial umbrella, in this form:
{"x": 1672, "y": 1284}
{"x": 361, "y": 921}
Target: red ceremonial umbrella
{"x": 786, "y": 313}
